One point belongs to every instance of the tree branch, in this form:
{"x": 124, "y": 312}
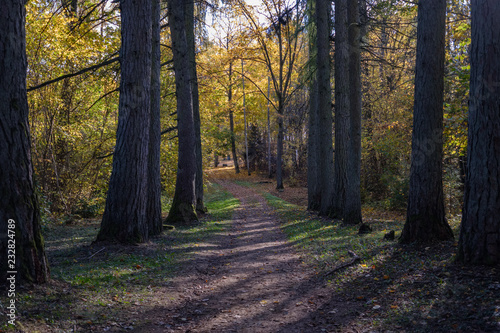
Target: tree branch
{"x": 85, "y": 70}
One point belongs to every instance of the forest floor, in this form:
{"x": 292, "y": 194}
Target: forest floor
{"x": 259, "y": 262}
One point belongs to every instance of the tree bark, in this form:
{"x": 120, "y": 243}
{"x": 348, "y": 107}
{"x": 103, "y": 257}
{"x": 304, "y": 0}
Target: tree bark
{"x": 190, "y": 37}
{"x": 154, "y": 179}
{"x": 325, "y": 116}
{"x": 124, "y": 216}
{"x": 425, "y": 217}
{"x": 352, "y": 209}
{"x": 480, "y": 230}
{"x": 342, "y": 107}
{"x": 21, "y": 242}
{"x": 313, "y": 157}
{"x": 183, "y": 209}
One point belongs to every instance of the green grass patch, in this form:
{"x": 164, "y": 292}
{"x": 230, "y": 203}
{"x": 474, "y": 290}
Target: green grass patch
{"x": 92, "y": 284}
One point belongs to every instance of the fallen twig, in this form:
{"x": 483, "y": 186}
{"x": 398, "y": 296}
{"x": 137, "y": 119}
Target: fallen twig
{"x": 96, "y": 253}
{"x": 346, "y": 264}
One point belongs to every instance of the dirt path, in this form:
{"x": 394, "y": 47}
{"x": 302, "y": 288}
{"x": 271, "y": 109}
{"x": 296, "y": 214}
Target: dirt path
{"x": 249, "y": 280}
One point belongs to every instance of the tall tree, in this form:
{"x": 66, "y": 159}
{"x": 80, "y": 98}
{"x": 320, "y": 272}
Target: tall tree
{"x": 425, "y": 217}
{"x": 191, "y": 43}
{"x": 124, "y": 216}
{"x": 313, "y": 157}
{"x": 153, "y": 211}
{"x": 285, "y": 26}
{"x": 342, "y": 107}
{"x": 21, "y": 244}
{"x": 183, "y": 209}
{"x": 324, "y": 106}
{"x": 480, "y": 230}
{"x": 352, "y": 209}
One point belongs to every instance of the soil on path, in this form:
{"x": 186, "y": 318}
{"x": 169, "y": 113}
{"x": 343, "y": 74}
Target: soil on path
{"x": 250, "y": 280}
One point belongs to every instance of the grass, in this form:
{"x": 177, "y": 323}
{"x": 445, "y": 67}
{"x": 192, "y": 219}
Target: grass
{"x": 92, "y": 284}
{"x": 393, "y": 287}
{"x": 398, "y": 288}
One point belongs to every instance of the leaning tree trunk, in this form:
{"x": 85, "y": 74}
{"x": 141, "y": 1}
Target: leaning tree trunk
{"x": 325, "y": 116}
{"x": 342, "y": 106}
{"x": 480, "y": 230}
{"x": 21, "y": 244}
{"x": 190, "y": 37}
{"x": 425, "y": 217}
{"x": 124, "y": 216}
{"x": 183, "y": 209}
{"x": 154, "y": 179}
{"x": 352, "y": 209}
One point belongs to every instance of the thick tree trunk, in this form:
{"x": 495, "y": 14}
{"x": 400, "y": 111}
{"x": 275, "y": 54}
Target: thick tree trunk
{"x": 154, "y": 180}
{"x": 124, "y": 216}
{"x": 325, "y": 116}
{"x": 352, "y": 209}
{"x": 183, "y": 209}
{"x": 342, "y": 107}
{"x": 480, "y": 230}
{"x": 231, "y": 119}
{"x": 425, "y": 218}
{"x": 21, "y": 242}
{"x": 190, "y": 36}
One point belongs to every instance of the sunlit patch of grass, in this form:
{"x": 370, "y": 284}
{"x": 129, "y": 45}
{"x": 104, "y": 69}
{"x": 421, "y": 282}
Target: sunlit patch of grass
{"x": 96, "y": 283}
{"x": 398, "y": 287}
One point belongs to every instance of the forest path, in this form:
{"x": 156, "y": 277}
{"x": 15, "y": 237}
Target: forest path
{"x": 249, "y": 280}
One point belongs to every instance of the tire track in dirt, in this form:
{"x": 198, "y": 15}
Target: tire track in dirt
{"x": 251, "y": 281}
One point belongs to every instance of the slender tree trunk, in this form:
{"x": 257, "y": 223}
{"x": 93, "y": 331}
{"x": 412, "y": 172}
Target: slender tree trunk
{"x": 281, "y": 113}
{"x": 231, "y": 119}
{"x": 183, "y": 209}
{"x": 325, "y": 116}
{"x": 269, "y": 165}
{"x": 313, "y": 183}
{"x": 279, "y": 152}
{"x": 480, "y": 230}
{"x": 124, "y": 216}
{"x": 190, "y": 35}
{"x": 154, "y": 180}
{"x": 342, "y": 107}
{"x": 352, "y": 209}
{"x": 425, "y": 217}
{"x": 21, "y": 242}
{"x": 245, "y": 117}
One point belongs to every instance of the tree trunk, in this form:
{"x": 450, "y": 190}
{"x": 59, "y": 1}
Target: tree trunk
{"x": 269, "y": 166}
{"x": 124, "y": 216}
{"x": 183, "y": 209}
{"x": 231, "y": 119}
{"x": 425, "y": 217}
{"x": 313, "y": 184}
{"x": 21, "y": 242}
{"x": 342, "y": 107}
{"x": 190, "y": 37}
{"x": 154, "y": 180}
{"x": 325, "y": 116}
{"x": 279, "y": 150}
{"x": 245, "y": 117}
{"x": 352, "y": 209}
{"x": 480, "y": 230}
